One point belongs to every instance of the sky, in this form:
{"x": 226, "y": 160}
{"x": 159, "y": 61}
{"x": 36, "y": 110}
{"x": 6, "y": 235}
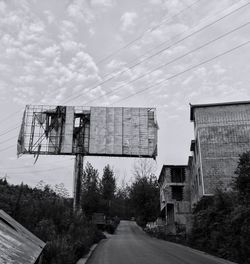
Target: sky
{"x": 137, "y": 53}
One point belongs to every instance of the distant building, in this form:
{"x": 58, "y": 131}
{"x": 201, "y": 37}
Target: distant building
{"x": 175, "y": 197}
{"x": 222, "y": 133}
{"x": 17, "y": 244}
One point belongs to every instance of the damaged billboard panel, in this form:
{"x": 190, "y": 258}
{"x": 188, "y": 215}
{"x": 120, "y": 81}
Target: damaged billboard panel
{"x": 99, "y": 131}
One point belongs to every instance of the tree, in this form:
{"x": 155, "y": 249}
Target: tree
{"x": 61, "y": 190}
{"x": 108, "y": 183}
{"x": 107, "y": 188}
{"x": 144, "y": 168}
{"x": 144, "y": 198}
{"x": 90, "y": 190}
{"x": 241, "y": 182}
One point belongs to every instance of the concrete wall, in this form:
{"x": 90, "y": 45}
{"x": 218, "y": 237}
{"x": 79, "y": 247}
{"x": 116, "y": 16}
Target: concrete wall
{"x": 177, "y": 212}
{"x": 222, "y": 134}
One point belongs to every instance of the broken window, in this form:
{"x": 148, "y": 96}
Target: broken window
{"x": 77, "y": 122}
{"x": 178, "y": 174}
{"x": 177, "y": 193}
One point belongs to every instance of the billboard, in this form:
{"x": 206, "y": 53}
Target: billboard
{"x": 98, "y": 131}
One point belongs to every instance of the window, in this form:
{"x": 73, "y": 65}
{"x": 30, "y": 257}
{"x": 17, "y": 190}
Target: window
{"x": 178, "y": 174}
{"x": 77, "y": 122}
{"x": 177, "y": 193}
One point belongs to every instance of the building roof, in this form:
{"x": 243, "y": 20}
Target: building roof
{"x": 17, "y": 244}
{"x": 170, "y": 166}
{"x": 192, "y": 107}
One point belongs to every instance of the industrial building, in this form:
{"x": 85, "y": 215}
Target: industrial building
{"x": 221, "y": 135}
{"x": 174, "y": 182}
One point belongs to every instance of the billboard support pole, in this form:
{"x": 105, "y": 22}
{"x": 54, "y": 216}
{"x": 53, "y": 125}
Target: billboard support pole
{"x": 78, "y": 172}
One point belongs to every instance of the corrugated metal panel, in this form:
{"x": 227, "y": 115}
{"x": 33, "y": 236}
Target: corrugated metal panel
{"x": 17, "y": 244}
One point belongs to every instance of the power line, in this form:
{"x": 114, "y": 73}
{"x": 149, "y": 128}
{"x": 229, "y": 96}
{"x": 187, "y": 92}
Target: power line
{"x": 35, "y": 171}
{"x": 147, "y": 31}
{"x": 7, "y": 140}
{"x": 187, "y": 70}
{"x": 160, "y": 51}
{"x": 2, "y": 150}
{"x": 10, "y": 115}
{"x": 8, "y": 131}
{"x": 174, "y": 60}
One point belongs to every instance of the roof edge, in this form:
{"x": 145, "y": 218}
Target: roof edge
{"x": 193, "y": 106}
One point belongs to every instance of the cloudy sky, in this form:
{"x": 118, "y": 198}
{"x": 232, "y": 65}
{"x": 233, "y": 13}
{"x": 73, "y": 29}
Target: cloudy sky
{"x": 160, "y": 53}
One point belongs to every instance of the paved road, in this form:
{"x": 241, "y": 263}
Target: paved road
{"x": 130, "y": 245}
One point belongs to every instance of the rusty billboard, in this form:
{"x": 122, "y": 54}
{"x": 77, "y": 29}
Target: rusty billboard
{"x": 96, "y": 131}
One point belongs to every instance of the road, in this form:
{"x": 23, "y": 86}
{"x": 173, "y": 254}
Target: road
{"x": 130, "y": 245}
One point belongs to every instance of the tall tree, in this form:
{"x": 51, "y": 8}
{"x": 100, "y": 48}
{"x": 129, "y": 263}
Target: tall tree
{"x": 108, "y": 188}
{"x": 144, "y": 168}
{"x": 241, "y": 182}
{"x": 90, "y": 190}
{"x": 144, "y": 199}
{"x": 108, "y": 183}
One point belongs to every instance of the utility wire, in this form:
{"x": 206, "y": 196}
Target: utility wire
{"x": 8, "y": 131}
{"x": 10, "y": 115}
{"x": 163, "y": 65}
{"x": 161, "y": 51}
{"x": 187, "y": 70}
{"x": 7, "y": 140}
{"x": 35, "y": 171}
{"x": 147, "y": 31}
{"x": 2, "y": 150}
{"x": 171, "y": 61}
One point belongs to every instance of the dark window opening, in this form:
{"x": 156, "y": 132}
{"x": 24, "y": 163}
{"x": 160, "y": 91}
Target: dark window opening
{"x": 170, "y": 213}
{"x": 178, "y": 175}
{"x": 177, "y": 193}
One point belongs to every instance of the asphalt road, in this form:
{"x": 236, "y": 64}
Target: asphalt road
{"x": 130, "y": 245}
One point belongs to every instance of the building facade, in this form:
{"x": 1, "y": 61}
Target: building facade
{"x": 222, "y": 133}
{"x": 175, "y": 197}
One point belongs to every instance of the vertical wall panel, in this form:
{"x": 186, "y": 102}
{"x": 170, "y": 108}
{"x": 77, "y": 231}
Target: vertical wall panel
{"x": 118, "y": 119}
{"x": 67, "y": 138}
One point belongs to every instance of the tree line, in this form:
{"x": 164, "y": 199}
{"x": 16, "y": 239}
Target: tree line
{"x": 47, "y": 211}
{"x": 221, "y": 224}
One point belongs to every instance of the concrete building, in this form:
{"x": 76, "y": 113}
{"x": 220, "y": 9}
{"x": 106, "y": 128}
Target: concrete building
{"x": 175, "y": 197}
{"x": 222, "y": 133}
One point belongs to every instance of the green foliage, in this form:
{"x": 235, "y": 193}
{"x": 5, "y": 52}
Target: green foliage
{"x": 144, "y": 199}
{"x": 120, "y": 205}
{"x": 107, "y": 189}
{"x": 221, "y": 225}
{"x": 108, "y": 184}
{"x": 241, "y": 182}
{"x": 49, "y": 216}
{"x": 90, "y": 191}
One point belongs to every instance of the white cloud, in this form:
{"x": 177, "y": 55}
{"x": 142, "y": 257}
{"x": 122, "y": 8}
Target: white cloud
{"x": 80, "y": 10}
{"x": 103, "y": 3}
{"x": 128, "y": 20}
{"x": 2, "y": 7}
{"x": 49, "y": 16}
{"x": 51, "y": 52}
